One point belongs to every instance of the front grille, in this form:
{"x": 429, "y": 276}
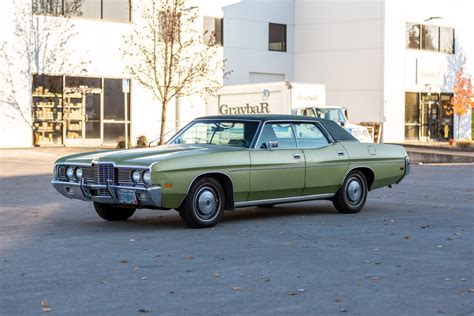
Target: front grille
{"x": 102, "y": 174}
{"x": 88, "y": 173}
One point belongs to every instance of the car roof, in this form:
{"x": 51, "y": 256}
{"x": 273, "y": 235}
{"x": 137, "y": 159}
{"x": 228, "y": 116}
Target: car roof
{"x": 262, "y": 117}
{"x": 334, "y": 129}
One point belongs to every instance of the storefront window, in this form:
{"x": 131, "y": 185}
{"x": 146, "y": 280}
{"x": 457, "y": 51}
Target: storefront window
{"x": 446, "y": 117}
{"x": 113, "y": 132}
{"x": 412, "y": 116}
{"x": 47, "y": 109}
{"x": 81, "y": 112}
{"x": 114, "y": 103}
{"x": 413, "y": 35}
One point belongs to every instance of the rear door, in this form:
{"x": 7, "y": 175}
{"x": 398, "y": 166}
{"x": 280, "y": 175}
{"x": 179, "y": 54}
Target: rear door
{"x": 276, "y": 172}
{"x": 326, "y": 162}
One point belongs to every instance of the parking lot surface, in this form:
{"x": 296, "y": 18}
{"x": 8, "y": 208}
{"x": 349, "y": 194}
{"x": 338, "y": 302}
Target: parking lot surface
{"x": 409, "y": 252}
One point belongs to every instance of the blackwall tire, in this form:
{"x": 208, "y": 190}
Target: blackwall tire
{"x": 204, "y": 204}
{"x": 113, "y": 213}
{"x": 352, "y": 195}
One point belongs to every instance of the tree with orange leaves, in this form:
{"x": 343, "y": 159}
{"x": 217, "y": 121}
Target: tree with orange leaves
{"x": 462, "y": 99}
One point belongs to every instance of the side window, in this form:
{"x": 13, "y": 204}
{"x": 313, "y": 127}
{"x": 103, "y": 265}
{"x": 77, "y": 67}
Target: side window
{"x": 280, "y": 132}
{"x": 310, "y": 136}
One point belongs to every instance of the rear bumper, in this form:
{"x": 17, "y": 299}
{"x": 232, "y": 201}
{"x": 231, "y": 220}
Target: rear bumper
{"x": 146, "y": 196}
{"x": 407, "y": 169}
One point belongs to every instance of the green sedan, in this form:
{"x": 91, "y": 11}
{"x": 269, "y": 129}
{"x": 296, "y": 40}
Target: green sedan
{"x": 219, "y": 163}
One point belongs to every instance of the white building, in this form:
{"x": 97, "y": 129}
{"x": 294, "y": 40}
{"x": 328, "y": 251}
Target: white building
{"x": 359, "y": 49}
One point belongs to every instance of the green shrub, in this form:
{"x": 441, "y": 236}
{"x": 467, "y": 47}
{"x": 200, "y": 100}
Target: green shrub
{"x": 142, "y": 142}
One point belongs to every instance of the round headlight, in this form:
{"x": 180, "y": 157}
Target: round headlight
{"x": 136, "y": 176}
{"x": 79, "y": 173}
{"x": 147, "y": 177}
{"x": 70, "y": 173}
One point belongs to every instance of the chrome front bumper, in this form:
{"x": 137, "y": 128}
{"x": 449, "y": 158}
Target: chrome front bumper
{"x": 150, "y": 196}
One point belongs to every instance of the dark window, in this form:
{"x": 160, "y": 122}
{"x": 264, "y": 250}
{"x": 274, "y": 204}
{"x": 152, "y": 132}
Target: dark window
{"x": 413, "y": 35}
{"x": 114, "y": 101}
{"x": 213, "y": 31}
{"x": 446, "y": 40}
{"x": 84, "y": 82}
{"x": 277, "y": 37}
{"x": 116, "y": 10}
{"x": 430, "y": 37}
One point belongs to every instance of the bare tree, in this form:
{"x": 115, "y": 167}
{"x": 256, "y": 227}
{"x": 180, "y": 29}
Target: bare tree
{"x": 38, "y": 45}
{"x": 167, "y": 53}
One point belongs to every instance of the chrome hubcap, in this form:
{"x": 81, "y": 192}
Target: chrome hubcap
{"x": 206, "y": 201}
{"x": 354, "y": 190}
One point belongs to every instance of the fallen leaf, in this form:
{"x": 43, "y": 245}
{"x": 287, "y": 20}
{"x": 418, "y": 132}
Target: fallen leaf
{"x": 406, "y": 237}
{"x": 216, "y": 275}
{"x": 471, "y": 290}
{"x": 46, "y": 307}
{"x": 189, "y": 257}
{"x": 265, "y": 279}
{"x": 123, "y": 261}
{"x": 142, "y": 310}
{"x": 338, "y": 300}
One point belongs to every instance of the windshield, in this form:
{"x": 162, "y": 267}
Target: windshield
{"x": 335, "y": 115}
{"x": 228, "y": 133}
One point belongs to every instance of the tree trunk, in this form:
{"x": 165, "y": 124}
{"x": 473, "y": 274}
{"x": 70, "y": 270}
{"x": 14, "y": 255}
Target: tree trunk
{"x": 164, "y": 105}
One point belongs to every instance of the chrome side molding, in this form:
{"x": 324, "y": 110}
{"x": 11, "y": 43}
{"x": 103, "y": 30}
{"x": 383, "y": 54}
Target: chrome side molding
{"x": 285, "y": 200}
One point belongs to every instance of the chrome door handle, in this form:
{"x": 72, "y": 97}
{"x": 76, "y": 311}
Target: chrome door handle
{"x": 340, "y": 153}
{"x": 297, "y": 156}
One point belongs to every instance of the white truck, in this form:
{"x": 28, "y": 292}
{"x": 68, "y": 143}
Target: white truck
{"x": 282, "y": 98}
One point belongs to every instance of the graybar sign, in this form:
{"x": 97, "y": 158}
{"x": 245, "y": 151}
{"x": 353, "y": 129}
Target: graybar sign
{"x": 261, "y": 108}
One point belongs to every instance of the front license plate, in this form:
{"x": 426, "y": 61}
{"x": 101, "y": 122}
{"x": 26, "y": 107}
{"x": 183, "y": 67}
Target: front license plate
{"x": 127, "y": 197}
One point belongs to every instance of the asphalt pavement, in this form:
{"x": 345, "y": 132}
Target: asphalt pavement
{"x": 409, "y": 252}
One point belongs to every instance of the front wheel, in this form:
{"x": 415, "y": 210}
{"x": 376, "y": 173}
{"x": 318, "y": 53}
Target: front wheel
{"x": 351, "y": 196}
{"x": 204, "y": 205}
{"x": 113, "y": 213}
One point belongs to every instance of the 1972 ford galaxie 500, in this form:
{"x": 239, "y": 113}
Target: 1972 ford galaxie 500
{"x": 219, "y": 163}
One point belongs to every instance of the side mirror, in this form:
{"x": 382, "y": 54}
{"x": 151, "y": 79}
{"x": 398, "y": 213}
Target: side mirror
{"x": 343, "y": 123}
{"x": 272, "y": 144}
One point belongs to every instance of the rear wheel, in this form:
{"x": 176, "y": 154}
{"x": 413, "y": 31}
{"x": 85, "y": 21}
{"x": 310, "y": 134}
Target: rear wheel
{"x": 204, "y": 205}
{"x": 351, "y": 196}
{"x": 113, "y": 213}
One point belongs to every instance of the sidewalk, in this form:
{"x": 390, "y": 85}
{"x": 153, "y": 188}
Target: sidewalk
{"x": 438, "y": 153}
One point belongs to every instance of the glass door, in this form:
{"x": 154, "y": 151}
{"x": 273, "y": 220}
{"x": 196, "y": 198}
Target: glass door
{"x": 82, "y": 111}
{"x": 91, "y": 133}
{"x": 429, "y": 116}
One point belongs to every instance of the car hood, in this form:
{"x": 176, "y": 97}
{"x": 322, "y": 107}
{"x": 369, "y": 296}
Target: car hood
{"x": 144, "y": 157}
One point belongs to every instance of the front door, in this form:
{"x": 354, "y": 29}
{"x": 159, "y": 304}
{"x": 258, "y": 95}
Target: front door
{"x": 276, "y": 172}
